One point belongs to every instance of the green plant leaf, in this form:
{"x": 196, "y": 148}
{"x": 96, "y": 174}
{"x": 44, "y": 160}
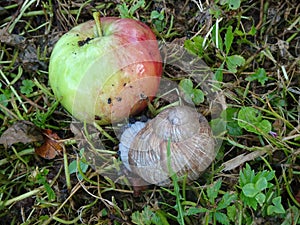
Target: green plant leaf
{"x": 231, "y": 212}
{"x": 73, "y": 167}
{"x": 142, "y": 218}
{"x": 27, "y": 87}
{"x": 260, "y": 75}
{"x": 269, "y": 175}
{"x": 276, "y": 207}
{"x": 157, "y": 19}
{"x": 195, "y": 46}
{"x": 247, "y": 175}
{"x": 226, "y": 200}
{"x": 251, "y": 120}
{"x": 261, "y": 184}
{"x": 138, "y": 4}
{"x": 197, "y": 96}
{"x": 123, "y": 10}
{"x": 249, "y": 190}
{"x": 251, "y": 202}
{"x": 255, "y": 187}
{"x": 228, "y": 39}
{"x": 213, "y": 191}
{"x": 260, "y": 198}
{"x": 159, "y": 218}
{"x": 195, "y": 210}
{"x": 252, "y": 31}
{"x": 222, "y": 218}
{"x": 191, "y": 94}
{"x": 218, "y": 126}
{"x": 41, "y": 179}
{"x": 4, "y": 98}
{"x": 157, "y": 15}
{"x": 50, "y": 192}
{"x": 186, "y": 85}
{"x": 218, "y": 75}
{"x": 233, "y": 62}
{"x": 232, "y": 125}
{"x": 234, "y": 4}
{"x": 126, "y": 12}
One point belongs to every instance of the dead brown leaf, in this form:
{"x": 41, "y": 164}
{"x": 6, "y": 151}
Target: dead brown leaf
{"x": 241, "y": 159}
{"x": 21, "y": 132}
{"x": 51, "y": 147}
{"x": 11, "y": 39}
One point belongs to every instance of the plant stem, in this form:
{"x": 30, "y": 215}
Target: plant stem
{"x": 67, "y": 172}
{"x": 97, "y": 19}
{"x": 13, "y": 157}
{"x": 21, "y": 197}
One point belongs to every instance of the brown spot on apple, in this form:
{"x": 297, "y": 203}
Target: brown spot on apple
{"x": 83, "y": 42}
{"x": 98, "y": 117}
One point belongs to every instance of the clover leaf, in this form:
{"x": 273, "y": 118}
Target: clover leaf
{"x": 251, "y": 120}
{"x": 27, "y": 87}
{"x": 191, "y": 94}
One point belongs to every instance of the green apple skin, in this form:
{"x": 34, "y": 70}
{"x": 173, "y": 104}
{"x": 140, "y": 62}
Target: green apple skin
{"x": 106, "y": 78}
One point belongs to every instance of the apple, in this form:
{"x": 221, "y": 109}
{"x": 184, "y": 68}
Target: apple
{"x": 106, "y": 69}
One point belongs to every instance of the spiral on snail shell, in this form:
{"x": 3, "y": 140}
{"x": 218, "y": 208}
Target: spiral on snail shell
{"x": 144, "y": 146}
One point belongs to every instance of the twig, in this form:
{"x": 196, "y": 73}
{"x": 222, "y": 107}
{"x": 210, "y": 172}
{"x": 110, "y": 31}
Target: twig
{"x": 261, "y": 14}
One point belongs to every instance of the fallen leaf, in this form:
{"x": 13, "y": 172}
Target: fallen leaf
{"x": 11, "y": 39}
{"x": 241, "y": 159}
{"x": 21, "y": 132}
{"x": 51, "y": 147}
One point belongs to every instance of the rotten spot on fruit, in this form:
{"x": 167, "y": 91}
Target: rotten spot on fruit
{"x": 109, "y": 101}
{"x": 83, "y": 42}
{"x": 98, "y": 117}
{"x": 124, "y": 84}
{"x": 118, "y": 99}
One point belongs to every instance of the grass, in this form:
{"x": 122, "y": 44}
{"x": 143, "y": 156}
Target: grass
{"x": 253, "y": 52}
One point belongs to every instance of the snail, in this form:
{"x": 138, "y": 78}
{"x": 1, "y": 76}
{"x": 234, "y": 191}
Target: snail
{"x": 178, "y": 140}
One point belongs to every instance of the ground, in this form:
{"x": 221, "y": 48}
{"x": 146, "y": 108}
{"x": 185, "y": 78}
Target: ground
{"x": 252, "y": 50}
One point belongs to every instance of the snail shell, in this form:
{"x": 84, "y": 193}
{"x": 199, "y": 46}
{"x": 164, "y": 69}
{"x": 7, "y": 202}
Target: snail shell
{"x": 144, "y": 147}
